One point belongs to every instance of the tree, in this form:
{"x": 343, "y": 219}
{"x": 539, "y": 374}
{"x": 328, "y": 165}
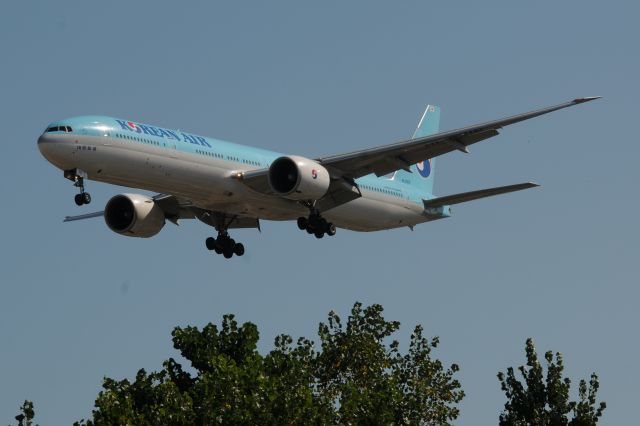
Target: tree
{"x": 27, "y": 413}
{"x": 357, "y": 377}
{"x": 373, "y": 383}
{"x": 541, "y": 401}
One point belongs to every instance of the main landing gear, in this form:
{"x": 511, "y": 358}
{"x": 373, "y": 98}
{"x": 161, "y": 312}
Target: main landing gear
{"x": 77, "y": 176}
{"x": 316, "y": 225}
{"x": 225, "y": 245}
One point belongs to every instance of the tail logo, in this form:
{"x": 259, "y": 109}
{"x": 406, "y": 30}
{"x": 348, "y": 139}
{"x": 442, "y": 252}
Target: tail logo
{"x": 424, "y": 168}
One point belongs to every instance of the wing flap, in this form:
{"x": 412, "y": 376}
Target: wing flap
{"x": 173, "y": 207}
{"x": 384, "y": 165}
{"x": 474, "y": 195}
{"x": 472, "y": 138}
{"x": 222, "y": 220}
{"x": 340, "y": 192}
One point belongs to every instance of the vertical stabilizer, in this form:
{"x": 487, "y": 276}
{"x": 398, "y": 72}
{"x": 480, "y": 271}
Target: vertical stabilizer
{"x": 422, "y": 174}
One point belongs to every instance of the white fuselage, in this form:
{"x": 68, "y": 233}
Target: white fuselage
{"x": 208, "y": 180}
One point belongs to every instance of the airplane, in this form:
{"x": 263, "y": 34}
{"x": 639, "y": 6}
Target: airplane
{"x": 228, "y": 186}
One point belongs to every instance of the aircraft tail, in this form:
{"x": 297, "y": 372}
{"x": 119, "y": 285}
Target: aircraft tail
{"x": 422, "y": 173}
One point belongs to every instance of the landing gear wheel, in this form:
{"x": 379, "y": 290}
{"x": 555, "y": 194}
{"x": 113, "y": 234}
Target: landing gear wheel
{"x": 210, "y": 243}
{"x": 82, "y": 198}
{"x": 316, "y": 224}
{"x": 223, "y": 244}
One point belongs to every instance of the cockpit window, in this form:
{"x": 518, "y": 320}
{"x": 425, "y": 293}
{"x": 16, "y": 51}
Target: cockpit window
{"x": 66, "y": 129}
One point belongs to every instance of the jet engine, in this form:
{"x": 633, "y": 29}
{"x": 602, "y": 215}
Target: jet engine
{"x": 134, "y": 215}
{"x": 298, "y": 178}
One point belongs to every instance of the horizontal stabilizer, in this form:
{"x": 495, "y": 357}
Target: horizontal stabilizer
{"x": 474, "y": 195}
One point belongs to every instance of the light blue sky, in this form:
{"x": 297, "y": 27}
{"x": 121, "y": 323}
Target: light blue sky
{"x": 557, "y": 263}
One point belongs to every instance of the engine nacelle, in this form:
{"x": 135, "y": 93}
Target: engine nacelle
{"x": 298, "y": 178}
{"x": 134, "y": 215}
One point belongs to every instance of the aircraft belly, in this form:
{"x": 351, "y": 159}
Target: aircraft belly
{"x": 367, "y": 214}
{"x": 248, "y": 203}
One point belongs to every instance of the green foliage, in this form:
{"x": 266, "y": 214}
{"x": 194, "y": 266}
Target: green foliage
{"x": 356, "y": 378}
{"x": 541, "y": 401}
{"x": 27, "y": 413}
{"x": 372, "y": 383}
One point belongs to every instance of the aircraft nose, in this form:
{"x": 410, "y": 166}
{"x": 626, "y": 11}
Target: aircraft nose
{"x": 53, "y": 150}
{"x": 46, "y": 145}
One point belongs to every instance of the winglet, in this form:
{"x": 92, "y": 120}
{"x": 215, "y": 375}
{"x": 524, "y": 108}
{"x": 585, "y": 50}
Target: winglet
{"x": 586, "y": 99}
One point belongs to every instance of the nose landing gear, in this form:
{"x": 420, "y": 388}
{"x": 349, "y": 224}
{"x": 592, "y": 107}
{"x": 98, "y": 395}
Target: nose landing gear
{"x": 77, "y": 176}
{"x": 225, "y": 245}
{"x": 316, "y": 225}
{"x": 82, "y": 197}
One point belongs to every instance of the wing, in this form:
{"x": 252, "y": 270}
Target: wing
{"x": 389, "y": 158}
{"x": 175, "y": 208}
{"x": 83, "y": 216}
{"x": 344, "y": 168}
